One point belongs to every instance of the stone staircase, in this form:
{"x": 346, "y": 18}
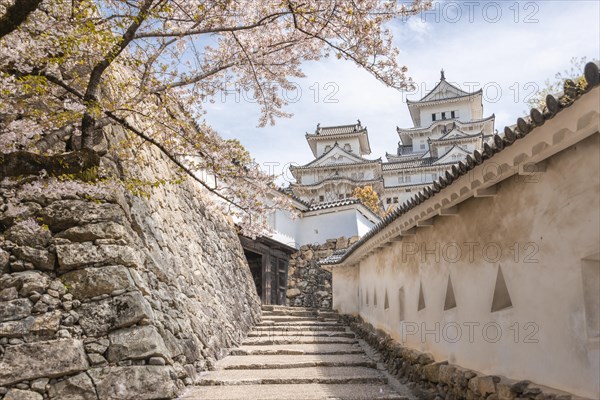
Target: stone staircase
{"x": 297, "y": 353}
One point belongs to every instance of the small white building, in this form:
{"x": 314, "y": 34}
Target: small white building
{"x": 316, "y": 223}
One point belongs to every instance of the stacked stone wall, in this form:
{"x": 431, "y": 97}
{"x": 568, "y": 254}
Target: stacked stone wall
{"x": 432, "y": 380}
{"x": 117, "y": 296}
{"x": 309, "y": 285}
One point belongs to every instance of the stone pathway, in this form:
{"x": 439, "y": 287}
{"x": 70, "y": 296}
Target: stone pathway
{"x": 298, "y": 353}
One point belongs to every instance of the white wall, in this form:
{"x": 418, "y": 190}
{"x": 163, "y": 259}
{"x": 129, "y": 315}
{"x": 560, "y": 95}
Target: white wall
{"x": 463, "y": 109}
{"x": 544, "y": 230}
{"x": 331, "y": 225}
{"x": 353, "y": 142}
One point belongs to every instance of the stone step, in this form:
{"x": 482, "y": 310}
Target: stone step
{"x": 301, "y": 313}
{"x": 292, "y": 318}
{"x": 267, "y": 314}
{"x": 296, "y": 333}
{"x": 296, "y": 340}
{"x": 327, "y": 375}
{"x": 298, "y": 349}
{"x": 270, "y": 307}
{"x": 292, "y": 392}
{"x": 302, "y": 328}
{"x": 299, "y": 323}
{"x": 295, "y": 361}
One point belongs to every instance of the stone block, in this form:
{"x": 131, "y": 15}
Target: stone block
{"x": 484, "y": 385}
{"x": 29, "y": 282}
{"x": 91, "y": 282}
{"x": 10, "y": 293}
{"x": 138, "y": 342}
{"x": 39, "y": 385}
{"x": 4, "y": 259}
{"x": 99, "y": 317}
{"x": 18, "y": 394}
{"x": 50, "y": 359}
{"x": 45, "y": 325}
{"x": 41, "y": 259}
{"x": 77, "y": 255}
{"x": 64, "y": 214}
{"x": 78, "y": 387}
{"x": 432, "y": 372}
{"x": 92, "y": 232}
{"x": 145, "y": 382}
{"x": 96, "y": 346}
{"x": 24, "y": 236}
{"x": 14, "y": 309}
{"x": 34, "y": 327}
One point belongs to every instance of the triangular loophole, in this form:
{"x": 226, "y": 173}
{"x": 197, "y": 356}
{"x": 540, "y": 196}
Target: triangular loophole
{"x": 386, "y": 301}
{"x": 450, "y": 301}
{"x": 501, "y": 298}
{"x": 421, "y": 298}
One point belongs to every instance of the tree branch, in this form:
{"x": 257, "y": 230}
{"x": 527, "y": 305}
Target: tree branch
{"x": 91, "y": 94}
{"x": 155, "y": 34}
{"x": 170, "y": 156}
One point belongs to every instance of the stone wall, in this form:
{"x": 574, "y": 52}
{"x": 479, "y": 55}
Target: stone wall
{"x": 309, "y": 285}
{"x": 441, "y": 380}
{"x": 117, "y": 296}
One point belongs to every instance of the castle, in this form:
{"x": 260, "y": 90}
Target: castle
{"x": 448, "y": 123}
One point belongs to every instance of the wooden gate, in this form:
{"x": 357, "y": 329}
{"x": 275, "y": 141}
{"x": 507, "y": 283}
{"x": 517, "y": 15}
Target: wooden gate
{"x": 274, "y": 268}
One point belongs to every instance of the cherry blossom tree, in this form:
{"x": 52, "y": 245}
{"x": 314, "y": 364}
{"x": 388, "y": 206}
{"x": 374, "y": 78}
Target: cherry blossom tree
{"x": 368, "y": 197}
{"x": 70, "y": 68}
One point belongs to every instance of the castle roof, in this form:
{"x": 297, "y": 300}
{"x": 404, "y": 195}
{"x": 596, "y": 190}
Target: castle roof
{"x": 455, "y": 134}
{"x": 357, "y": 160}
{"x": 443, "y": 92}
{"x": 329, "y": 133}
{"x": 442, "y": 122}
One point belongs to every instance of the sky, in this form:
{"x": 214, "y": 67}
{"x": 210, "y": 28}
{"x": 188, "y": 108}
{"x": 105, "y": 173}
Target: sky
{"x": 507, "y": 48}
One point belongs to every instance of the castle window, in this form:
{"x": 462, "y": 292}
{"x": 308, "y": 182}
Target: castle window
{"x": 453, "y": 114}
{"x": 388, "y": 201}
{"x": 321, "y": 198}
{"x": 340, "y": 196}
{"x": 395, "y": 200}
{"x": 443, "y": 115}
{"x": 347, "y": 147}
{"x": 433, "y": 117}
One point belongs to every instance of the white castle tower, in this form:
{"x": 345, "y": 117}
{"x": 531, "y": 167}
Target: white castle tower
{"x": 448, "y": 125}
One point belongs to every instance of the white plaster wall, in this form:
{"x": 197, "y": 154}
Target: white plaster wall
{"x": 363, "y": 224}
{"x": 463, "y": 108}
{"x": 353, "y": 142}
{"x": 316, "y": 229}
{"x": 345, "y": 290}
{"x": 285, "y": 228}
{"x": 554, "y": 223}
